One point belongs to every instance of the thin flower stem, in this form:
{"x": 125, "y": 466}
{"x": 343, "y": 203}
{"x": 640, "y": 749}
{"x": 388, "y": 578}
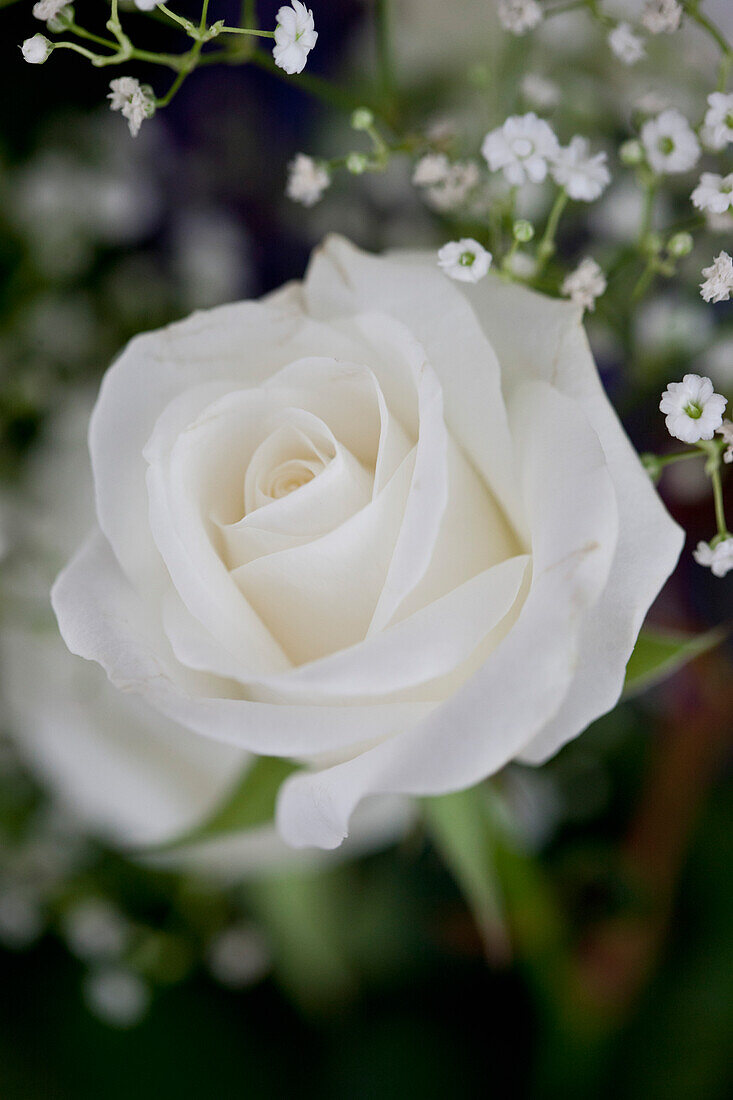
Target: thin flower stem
{"x": 247, "y": 30}
{"x": 547, "y": 244}
{"x": 204, "y": 14}
{"x": 93, "y": 57}
{"x": 718, "y": 499}
{"x": 385, "y": 60}
{"x": 668, "y": 460}
{"x": 185, "y": 23}
{"x": 312, "y": 85}
{"x": 82, "y": 32}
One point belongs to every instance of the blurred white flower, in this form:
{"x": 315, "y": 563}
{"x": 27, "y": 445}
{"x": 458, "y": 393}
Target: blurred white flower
{"x": 94, "y": 929}
{"x": 670, "y": 143}
{"x": 719, "y": 120}
{"x": 239, "y": 956}
{"x": 718, "y": 284}
{"x": 431, "y": 169}
{"x": 726, "y": 431}
{"x": 585, "y": 284}
{"x": 37, "y": 49}
{"x": 718, "y": 558}
{"x": 133, "y": 99}
{"x": 626, "y": 45}
{"x": 454, "y": 189}
{"x": 466, "y": 260}
{"x": 307, "y": 180}
{"x": 521, "y": 148}
{"x": 540, "y": 92}
{"x": 583, "y": 176}
{"x": 117, "y": 997}
{"x": 519, "y": 16}
{"x": 661, "y": 16}
{"x": 147, "y": 5}
{"x": 21, "y": 921}
{"x": 49, "y": 9}
{"x": 693, "y": 411}
{"x": 295, "y": 37}
{"x": 713, "y": 193}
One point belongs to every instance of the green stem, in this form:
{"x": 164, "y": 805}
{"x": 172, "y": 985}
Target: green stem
{"x": 204, "y": 14}
{"x": 185, "y": 23}
{"x": 312, "y": 85}
{"x": 82, "y": 32}
{"x": 247, "y": 30}
{"x": 93, "y": 57}
{"x": 718, "y": 499}
{"x": 547, "y": 244}
{"x": 645, "y": 280}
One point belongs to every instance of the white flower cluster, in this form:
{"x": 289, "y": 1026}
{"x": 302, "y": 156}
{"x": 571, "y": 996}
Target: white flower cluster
{"x": 584, "y": 285}
{"x": 295, "y": 37}
{"x": 447, "y": 185}
{"x": 519, "y": 16}
{"x": 693, "y": 411}
{"x": 661, "y": 16}
{"x": 718, "y": 556}
{"x": 307, "y": 180}
{"x": 714, "y": 193}
{"x": 670, "y": 143}
{"x": 526, "y": 148}
{"x": 718, "y": 124}
{"x": 718, "y": 285}
{"x": 49, "y": 10}
{"x": 626, "y": 44}
{"x": 466, "y": 260}
{"x": 135, "y": 100}
{"x": 726, "y": 431}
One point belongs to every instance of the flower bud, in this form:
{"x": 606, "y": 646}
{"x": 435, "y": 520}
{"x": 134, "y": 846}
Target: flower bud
{"x": 523, "y": 231}
{"x": 362, "y": 118}
{"x": 37, "y": 49}
{"x": 680, "y": 244}
{"x": 357, "y": 163}
{"x": 62, "y": 20}
{"x": 631, "y": 153}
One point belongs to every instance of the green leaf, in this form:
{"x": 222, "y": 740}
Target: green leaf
{"x": 658, "y": 654}
{"x": 250, "y": 803}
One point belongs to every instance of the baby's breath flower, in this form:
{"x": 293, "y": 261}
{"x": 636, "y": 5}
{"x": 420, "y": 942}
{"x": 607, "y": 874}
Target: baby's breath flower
{"x": 719, "y": 120}
{"x": 585, "y": 284}
{"x": 133, "y": 99}
{"x": 627, "y": 46}
{"x": 455, "y": 188}
{"x": 307, "y": 180}
{"x": 519, "y": 16}
{"x": 661, "y": 16}
{"x": 714, "y": 193}
{"x": 521, "y": 148}
{"x": 37, "y": 49}
{"x": 431, "y": 169}
{"x": 540, "y": 92}
{"x": 295, "y": 37}
{"x": 692, "y": 410}
{"x": 466, "y": 260}
{"x": 718, "y": 558}
{"x": 726, "y": 431}
{"x": 583, "y": 176}
{"x": 670, "y": 143}
{"x": 49, "y": 9}
{"x": 148, "y": 5}
{"x": 718, "y": 284}
{"x": 118, "y": 997}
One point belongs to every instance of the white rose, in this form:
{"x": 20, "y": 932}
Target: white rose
{"x": 379, "y": 523}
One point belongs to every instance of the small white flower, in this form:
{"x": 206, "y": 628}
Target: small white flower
{"x": 519, "y": 16}
{"x": 718, "y": 284}
{"x": 307, "y": 180}
{"x": 431, "y": 169}
{"x": 692, "y": 410}
{"x": 521, "y": 148}
{"x": 583, "y": 176}
{"x": 37, "y": 49}
{"x": 239, "y": 956}
{"x": 540, "y": 92}
{"x": 134, "y": 100}
{"x": 670, "y": 143}
{"x": 295, "y": 37}
{"x": 661, "y": 16}
{"x": 718, "y": 558}
{"x": 118, "y": 997}
{"x": 147, "y": 5}
{"x": 460, "y": 180}
{"x": 49, "y": 9}
{"x": 585, "y": 284}
{"x": 627, "y": 46}
{"x": 714, "y": 193}
{"x": 466, "y": 260}
{"x": 719, "y": 119}
{"x": 726, "y": 431}
{"x": 95, "y": 929}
